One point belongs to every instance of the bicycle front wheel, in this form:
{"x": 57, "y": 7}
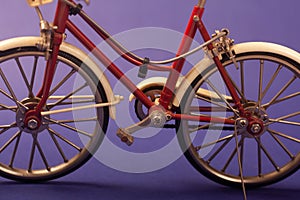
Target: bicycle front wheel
{"x": 268, "y": 85}
{"x": 63, "y": 141}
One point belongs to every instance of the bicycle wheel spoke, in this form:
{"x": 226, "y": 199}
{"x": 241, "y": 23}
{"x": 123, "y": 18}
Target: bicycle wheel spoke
{"x": 219, "y": 150}
{"x": 41, "y": 153}
{"x": 19, "y": 104}
{"x": 240, "y": 92}
{"x": 70, "y": 127}
{"x": 272, "y": 80}
{"x": 7, "y": 127}
{"x": 69, "y": 95}
{"x": 259, "y": 143}
{"x": 281, "y": 145}
{"x": 221, "y": 96}
{"x": 242, "y": 152}
{"x": 194, "y": 128}
{"x": 240, "y": 160}
{"x": 242, "y": 75}
{"x": 259, "y": 158}
{"x": 33, "y": 73}
{"x": 199, "y": 128}
{"x": 283, "y": 121}
{"x": 213, "y": 102}
{"x": 260, "y": 84}
{"x": 9, "y": 141}
{"x": 58, "y": 146}
{"x": 284, "y": 135}
{"x": 231, "y": 156}
{"x": 214, "y": 142}
{"x": 65, "y": 140}
{"x": 12, "y": 95}
{"x": 285, "y": 98}
{"x": 281, "y": 91}
{"x": 11, "y": 108}
{"x": 62, "y": 82}
{"x": 24, "y": 77}
{"x": 32, "y": 154}
{"x": 7, "y": 95}
{"x": 15, "y": 150}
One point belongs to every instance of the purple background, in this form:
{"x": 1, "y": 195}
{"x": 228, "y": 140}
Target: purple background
{"x": 255, "y": 20}
{"x": 267, "y": 20}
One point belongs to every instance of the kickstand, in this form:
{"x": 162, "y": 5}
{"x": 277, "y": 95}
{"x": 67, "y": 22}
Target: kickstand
{"x": 240, "y": 162}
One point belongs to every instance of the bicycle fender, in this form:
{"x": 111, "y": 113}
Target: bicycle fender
{"x": 29, "y": 41}
{"x": 207, "y": 63}
{"x": 267, "y": 47}
{"x": 149, "y": 82}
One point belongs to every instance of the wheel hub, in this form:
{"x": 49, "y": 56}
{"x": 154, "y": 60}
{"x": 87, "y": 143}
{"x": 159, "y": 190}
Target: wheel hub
{"x": 29, "y": 121}
{"x": 32, "y": 124}
{"x": 255, "y": 124}
{"x": 256, "y": 128}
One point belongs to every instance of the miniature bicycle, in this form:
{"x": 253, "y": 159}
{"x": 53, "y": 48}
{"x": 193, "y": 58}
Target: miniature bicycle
{"x": 256, "y": 113}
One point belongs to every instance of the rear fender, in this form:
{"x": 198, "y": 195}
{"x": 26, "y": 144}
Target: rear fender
{"x": 72, "y": 50}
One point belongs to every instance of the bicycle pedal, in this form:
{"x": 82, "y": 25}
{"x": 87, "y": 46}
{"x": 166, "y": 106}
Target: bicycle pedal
{"x": 125, "y": 137}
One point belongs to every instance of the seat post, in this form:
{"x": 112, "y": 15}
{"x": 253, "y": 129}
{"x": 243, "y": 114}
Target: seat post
{"x": 201, "y": 3}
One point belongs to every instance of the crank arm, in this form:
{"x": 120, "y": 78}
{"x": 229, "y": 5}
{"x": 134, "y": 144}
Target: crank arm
{"x": 125, "y": 134}
{"x": 157, "y": 118}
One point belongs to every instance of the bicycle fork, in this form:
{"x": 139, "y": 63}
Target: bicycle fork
{"x": 33, "y": 118}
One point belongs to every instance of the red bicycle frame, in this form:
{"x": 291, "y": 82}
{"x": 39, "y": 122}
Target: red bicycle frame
{"x": 63, "y": 23}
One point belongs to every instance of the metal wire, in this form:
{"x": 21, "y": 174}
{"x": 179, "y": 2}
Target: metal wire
{"x": 39, "y": 13}
{"x": 151, "y": 62}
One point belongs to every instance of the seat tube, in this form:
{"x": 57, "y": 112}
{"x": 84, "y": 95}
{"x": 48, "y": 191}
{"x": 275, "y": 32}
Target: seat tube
{"x": 201, "y": 3}
{"x": 167, "y": 92}
{"x": 59, "y": 27}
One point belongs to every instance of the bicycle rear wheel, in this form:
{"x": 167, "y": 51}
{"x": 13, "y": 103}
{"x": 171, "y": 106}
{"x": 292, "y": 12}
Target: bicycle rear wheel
{"x": 268, "y": 85}
{"x": 64, "y": 141}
